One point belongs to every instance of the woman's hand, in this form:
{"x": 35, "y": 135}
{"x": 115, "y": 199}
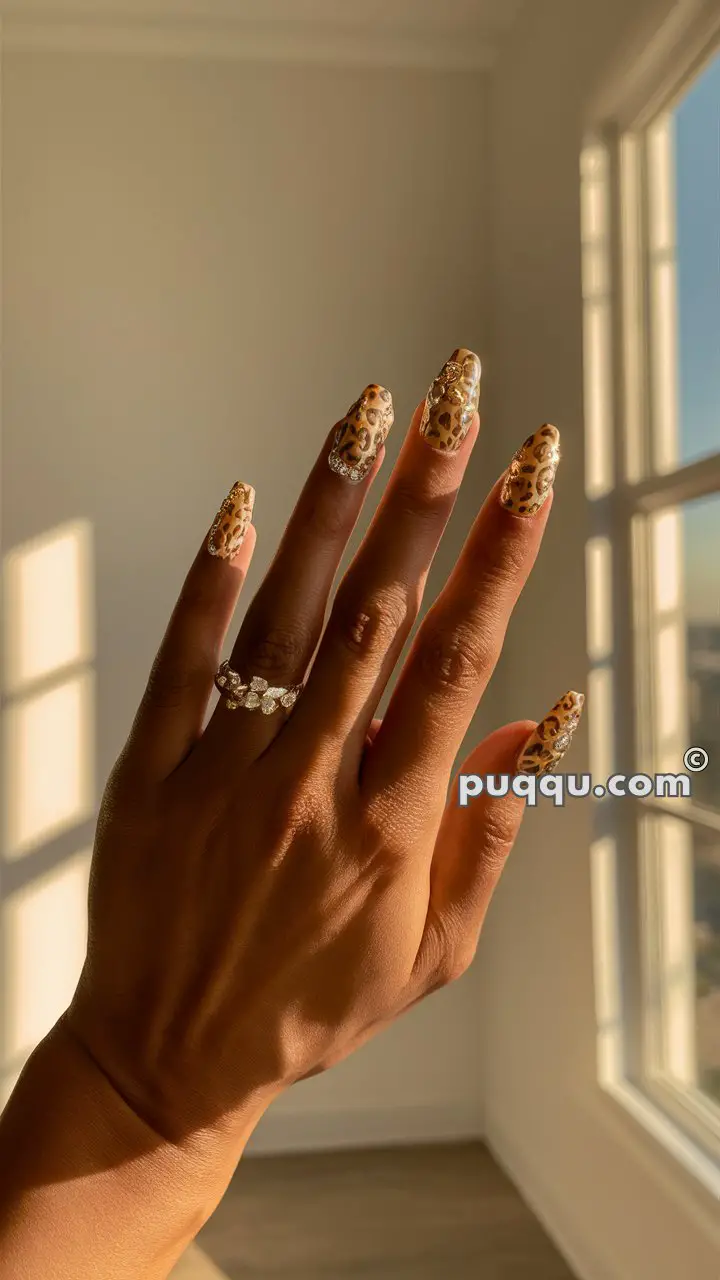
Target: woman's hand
{"x": 269, "y": 891}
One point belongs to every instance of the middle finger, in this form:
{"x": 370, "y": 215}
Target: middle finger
{"x": 380, "y": 595}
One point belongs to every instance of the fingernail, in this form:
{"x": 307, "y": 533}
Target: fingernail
{"x": 361, "y": 433}
{"x": 549, "y": 741}
{"x": 451, "y": 401}
{"x": 530, "y": 476}
{"x": 231, "y": 522}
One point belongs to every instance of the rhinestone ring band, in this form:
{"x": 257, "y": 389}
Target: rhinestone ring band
{"x": 253, "y": 694}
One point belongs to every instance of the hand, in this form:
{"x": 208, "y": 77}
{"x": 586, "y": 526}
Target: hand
{"x": 270, "y": 891}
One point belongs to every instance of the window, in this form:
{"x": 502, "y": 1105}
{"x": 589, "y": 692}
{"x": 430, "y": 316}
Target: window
{"x": 651, "y": 277}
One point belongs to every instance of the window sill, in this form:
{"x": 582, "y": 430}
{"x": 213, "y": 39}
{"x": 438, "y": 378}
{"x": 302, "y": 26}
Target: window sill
{"x": 671, "y": 1136}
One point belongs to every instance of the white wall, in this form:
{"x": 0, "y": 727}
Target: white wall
{"x": 620, "y": 1207}
{"x": 204, "y": 263}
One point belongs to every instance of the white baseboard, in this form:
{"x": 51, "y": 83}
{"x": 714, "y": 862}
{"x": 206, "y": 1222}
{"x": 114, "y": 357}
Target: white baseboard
{"x": 555, "y": 1213}
{"x": 285, "y": 1132}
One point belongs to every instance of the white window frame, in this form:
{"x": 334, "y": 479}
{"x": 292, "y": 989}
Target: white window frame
{"x": 632, "y": 476}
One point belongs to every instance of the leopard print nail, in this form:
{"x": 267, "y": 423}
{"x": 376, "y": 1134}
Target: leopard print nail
{"x": 231, "y": 522}
{"x": 549, "y": 741}
{"x": 361, "y": 433}
{"x": 530, "y": 476}
{"x": 451, "y": 401}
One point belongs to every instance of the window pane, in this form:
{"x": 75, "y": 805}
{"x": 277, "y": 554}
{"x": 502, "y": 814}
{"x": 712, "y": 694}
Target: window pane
{"x": 701, "y": 530}
{"x": 707, "y": 952}
{"x": 684, "y": 938}
{"x": 685, "y": 641}
{"x": 697, "y": 186}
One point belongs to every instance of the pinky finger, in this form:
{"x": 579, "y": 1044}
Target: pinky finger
{"x": 170, "y": 718}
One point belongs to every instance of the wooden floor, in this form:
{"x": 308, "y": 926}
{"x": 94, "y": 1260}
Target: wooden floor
{"x": 415, "y": 1213}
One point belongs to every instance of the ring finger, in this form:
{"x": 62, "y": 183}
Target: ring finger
{"x": 284, "y": 621}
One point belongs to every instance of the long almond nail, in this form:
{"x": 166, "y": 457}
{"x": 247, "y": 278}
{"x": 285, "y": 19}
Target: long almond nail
{"x": 452, "y": 401}
{"x": 361, "y": 433}
{"x": 549, "y": 741}
{"x": 530, "y": 476}
{"x": 231, "y": 522}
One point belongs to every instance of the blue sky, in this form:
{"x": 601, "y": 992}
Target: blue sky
{"x": 698, "y": 241}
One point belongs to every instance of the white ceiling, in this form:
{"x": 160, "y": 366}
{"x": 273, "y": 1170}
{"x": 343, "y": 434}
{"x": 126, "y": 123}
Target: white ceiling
{"x": 451, "y": 33}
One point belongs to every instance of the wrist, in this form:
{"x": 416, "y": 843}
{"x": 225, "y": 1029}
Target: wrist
{"x": 73, "y": 1153}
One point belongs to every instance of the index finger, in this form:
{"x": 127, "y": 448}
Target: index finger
{"x": 458, "y": 645}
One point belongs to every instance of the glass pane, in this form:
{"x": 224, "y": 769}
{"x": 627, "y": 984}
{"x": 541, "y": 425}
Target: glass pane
{"x": 701, "y": 528}
{"x": 697, "y": 199}
{"x": 707, "y": 960}
{"x": 684, "y": 937}
{"x": 685, "y": 643}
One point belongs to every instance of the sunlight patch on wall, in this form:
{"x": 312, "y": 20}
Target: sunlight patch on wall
{"x": 47, "y": 609}
{"x": 600, "y": 725}
{"x": 606, "y": 953}
{"x": 49, "y": 783}
{"x": 44, "y": 940}
{"x": 48, "y": 726}
{"x": 595, "y": 222}
{"x": 48, "y": 787}
{"x": 598, "y": 578}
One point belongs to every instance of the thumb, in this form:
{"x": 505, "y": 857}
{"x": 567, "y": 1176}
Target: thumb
{"x": 476, "y": 837}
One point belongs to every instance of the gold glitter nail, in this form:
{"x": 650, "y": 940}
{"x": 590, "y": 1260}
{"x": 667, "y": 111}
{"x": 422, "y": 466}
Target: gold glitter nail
{"x": 361, "y": 433}
{"x": 452, "y": 401}
{"x": 549, "y": 740}
{"x": 231, "y": 522}
{"x": 530, "y": 476}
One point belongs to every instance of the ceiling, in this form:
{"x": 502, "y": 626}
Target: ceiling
{"x": 448, "y": 33}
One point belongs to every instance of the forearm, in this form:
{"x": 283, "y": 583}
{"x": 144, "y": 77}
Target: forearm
{"x": 86, "y": 1188}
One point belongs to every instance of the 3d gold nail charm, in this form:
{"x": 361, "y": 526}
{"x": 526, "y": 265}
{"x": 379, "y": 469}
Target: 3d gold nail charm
{"x": 361, "y": 433}
{"x": 530, "y": 476}
{"x": 231, "y": 522}
{"x": 549, "y": 741}
{"x": 451, "y": 401}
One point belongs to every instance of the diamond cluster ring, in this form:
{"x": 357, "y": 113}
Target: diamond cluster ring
{"x": 253, "y": 694}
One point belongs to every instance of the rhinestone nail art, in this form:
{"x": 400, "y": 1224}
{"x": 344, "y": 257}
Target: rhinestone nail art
{"x": 549, "y": 741}
{"x": 451, "y": 401}
{"x": 231, "y": 522}
{"x": 530, "y": 476}
{"x": 361, "y": 433}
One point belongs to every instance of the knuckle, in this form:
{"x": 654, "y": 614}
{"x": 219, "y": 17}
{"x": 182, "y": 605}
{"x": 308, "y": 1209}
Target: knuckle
{"x": 446, "y": 956}
{"x": 277, "y": 650}
{"x": 415, "y": 503}
{"x": 326, "y": 520}
{"x": 500, "y": 828}
{"x": 457, "y": 964}
{"x": 301, "y": 796}
{"x": 172, "y": 680}
{"x": 371, "y": 624}
{"x": 455, "y": 657}
{"x": 502, "y": 571}
{"x": 290, "y": 823}
{"x": 197, "y": 596}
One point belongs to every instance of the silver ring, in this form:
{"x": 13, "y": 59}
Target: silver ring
{"x": 254, "y": 694}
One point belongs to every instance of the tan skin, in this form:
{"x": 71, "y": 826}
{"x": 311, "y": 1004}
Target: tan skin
{"x": 269, "y": 893}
